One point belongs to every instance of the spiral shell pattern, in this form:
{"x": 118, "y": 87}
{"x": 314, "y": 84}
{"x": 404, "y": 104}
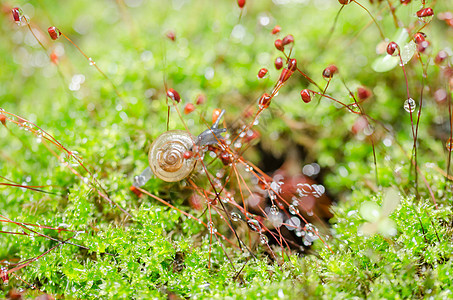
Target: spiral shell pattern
{"x": 166, "y": 155}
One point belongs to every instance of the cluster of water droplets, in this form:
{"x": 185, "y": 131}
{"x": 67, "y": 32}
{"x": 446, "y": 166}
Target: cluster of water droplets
{"x": 248, "y": 168}
{"x": 276, "y": 184}
{"x": 227, "y": 198}
{"x": 310, "y": 234}
{"x": 211, "y": 228}
{"x": 39, "y": 136}
{"x": 76, "y": 81}
{"x": 293, "y": 209}
{"x": 292, "y": 223}
{"x": 315, "y": 190}
{"x": 273, "y": 210}
{"x": 25, "y": 125}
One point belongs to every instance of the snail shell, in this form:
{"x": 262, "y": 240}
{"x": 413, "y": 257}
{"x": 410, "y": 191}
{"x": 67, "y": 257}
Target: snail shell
{"x": 166, "y": 156}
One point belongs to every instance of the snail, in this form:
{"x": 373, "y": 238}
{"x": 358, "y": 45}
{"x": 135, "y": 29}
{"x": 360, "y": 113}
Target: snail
{"x": 166, "y": 155}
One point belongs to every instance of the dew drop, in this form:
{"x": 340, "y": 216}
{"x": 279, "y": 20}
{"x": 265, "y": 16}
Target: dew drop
{"x": 263, "y": 239}
{"x": 274, "y": 210}
{"x": 354, "y": 108}
{"x": 449, "y": 145}
{"x": 293, "y": 210}
{"x": 409, "y": 105}
{"x": 272, "y": 195}
{"x": 254, "y": 224}
{"x": 211, "y": 228}
{"x": 235, "y": 216}
{"x": 74, "y": 158}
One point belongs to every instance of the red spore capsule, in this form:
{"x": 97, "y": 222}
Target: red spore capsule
{"x": 419, "y": 37}
{"x": 265, "y": 101}
{"x": 54, "y": 57}
{"x": 189, "y": 108}
{"x": 329, "y": 71}
{"x": 391, "y": 48}
{"x": 200, "y": 99}
{"x": 196, "y": 202}
{"x": 241, "y": 3}
{"x": 344, "y": 2}
{"x": 187, "y": 154}
{"x": 276, "y": 29}
{"x": 279, "y": 44}
{"x": 250, "y": 136}
{"x": 264, "y": 182}
{"x": 425, "y": 12}
{"x": 135, "y": 191}
{"x": 288, "y": 40}
{"x": 449, "y": 22}
{"x": 54, "y": 32}
{"x": 278, "y": 63}
{"x": 445, "y": 15}
{"x": 215, "y": 114}
{"x": 363, "y": 93}
{"x": 3, "y": 119}
{"x": 171, "y": 93}
{"x": 226, "y": 158}
{"x": 247, "y": 113}
{"x": 448, "y": 72}
{"x": 292, "y": 64}
{"x": 440, "y": 57}
{"x": 171, "y": 35}
{"x": 17, "y": 14}
{"x": 421, "y": 47}
{"x": 285, "y": 75}
{"x": 359, "y": 125}
{"x": 262, "y": 72}
{"x": 305, "y": 95}
{"x": 213, "y": 149}
{"x": 440, "y": 95}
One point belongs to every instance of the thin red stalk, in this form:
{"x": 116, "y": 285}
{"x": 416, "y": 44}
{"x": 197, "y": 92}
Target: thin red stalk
{"x": 29, "y": 261}
{"x": 93, "y": 63}
{"x": 374, "y": 20}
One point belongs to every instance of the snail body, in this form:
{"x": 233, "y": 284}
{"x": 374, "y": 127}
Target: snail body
{"x": 166, "y": 156}
{"x": 170, "y": 156}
